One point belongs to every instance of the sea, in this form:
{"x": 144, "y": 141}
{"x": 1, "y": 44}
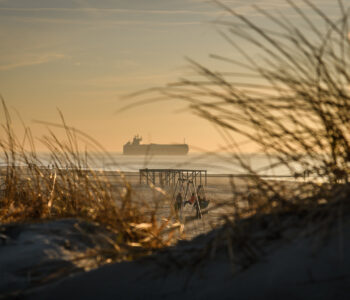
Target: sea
{"x": 223, "y": 164}
{"x": 213, "y": 163}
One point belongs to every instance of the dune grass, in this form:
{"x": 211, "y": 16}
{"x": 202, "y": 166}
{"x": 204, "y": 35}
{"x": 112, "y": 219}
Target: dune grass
{"x": 287, "y": 96}
{"x": 290, "y": 102}
{"x": 32, "y": 191}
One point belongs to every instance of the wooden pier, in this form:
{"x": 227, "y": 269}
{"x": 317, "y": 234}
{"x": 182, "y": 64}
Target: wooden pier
{"x": 169, "y": 177}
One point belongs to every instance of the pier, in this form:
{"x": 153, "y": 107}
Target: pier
{"x": 169, "y": 177}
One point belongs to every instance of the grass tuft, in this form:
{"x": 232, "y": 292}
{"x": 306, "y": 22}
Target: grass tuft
{"x": 32, "y": 191}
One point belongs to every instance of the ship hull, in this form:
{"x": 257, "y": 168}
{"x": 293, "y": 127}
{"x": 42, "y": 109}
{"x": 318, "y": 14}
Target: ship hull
{"x": 155, "y": 149}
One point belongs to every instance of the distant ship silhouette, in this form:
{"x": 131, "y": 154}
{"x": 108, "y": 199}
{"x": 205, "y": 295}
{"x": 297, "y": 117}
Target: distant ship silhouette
{"x": 135, "y": 148}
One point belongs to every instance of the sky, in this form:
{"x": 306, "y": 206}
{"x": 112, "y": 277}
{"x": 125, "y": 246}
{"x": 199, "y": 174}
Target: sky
{"x": 83, "y": 56}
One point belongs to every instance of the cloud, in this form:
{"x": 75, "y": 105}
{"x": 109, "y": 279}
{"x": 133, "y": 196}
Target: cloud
{"x": 30, "y": 60}
{"x": 103, "y": 22}
{"x": 208, "y": 9}
{"x": 128, "y": 16}
{"x": 107, "y": 10}
{"x": 249, "y": 9}
{"x": 246, "y": 7}
{"x": 104, "y": 16}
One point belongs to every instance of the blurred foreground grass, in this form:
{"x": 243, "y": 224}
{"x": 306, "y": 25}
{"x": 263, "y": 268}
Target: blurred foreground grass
{"x": 297, "y": 110}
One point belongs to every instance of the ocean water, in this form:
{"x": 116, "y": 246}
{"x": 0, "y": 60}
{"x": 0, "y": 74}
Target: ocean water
{"x": 214, "y": 163}
{"x": 222, "y": 163}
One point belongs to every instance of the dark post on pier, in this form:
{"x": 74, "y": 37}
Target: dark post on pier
{"x": 169, "y": 177}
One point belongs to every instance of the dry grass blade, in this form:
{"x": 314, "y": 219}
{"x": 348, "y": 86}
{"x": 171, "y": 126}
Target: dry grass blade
{"x": 294, "y": 108}
{"x": 32, "y": 191}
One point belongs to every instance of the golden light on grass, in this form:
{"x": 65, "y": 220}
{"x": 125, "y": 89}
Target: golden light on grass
{"x": 31, "y": 191}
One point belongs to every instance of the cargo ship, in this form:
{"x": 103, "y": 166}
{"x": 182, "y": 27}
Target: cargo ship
{"x": 136, "y": 148}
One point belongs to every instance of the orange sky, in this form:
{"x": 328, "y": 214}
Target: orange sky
{"x": 81, "y": 56}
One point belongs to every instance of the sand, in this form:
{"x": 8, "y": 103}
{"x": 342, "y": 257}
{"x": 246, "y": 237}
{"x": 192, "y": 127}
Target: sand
{"x": 218, "y": 190}
{"x": 34, "y": 254}
{"x": 290, "y": 265}
{"x": 289, "y": 268}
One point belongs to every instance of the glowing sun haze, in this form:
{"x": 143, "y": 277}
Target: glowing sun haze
{"x": 81, "y": 55}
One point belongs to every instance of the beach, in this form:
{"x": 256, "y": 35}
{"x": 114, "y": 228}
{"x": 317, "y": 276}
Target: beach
{"x": 55, "y": 259}
{"x": 43, "y": 251}
{"x": 219, "y": 189}
{"x": 289, "y": 269}
{"x": 236, "y": 184}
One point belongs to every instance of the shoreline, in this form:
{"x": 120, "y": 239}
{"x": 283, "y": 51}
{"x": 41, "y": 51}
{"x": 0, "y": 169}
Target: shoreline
{"x": 133, "y": 177}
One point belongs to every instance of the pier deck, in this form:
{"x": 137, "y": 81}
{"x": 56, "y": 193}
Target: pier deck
{"x": 169, "y": 177}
